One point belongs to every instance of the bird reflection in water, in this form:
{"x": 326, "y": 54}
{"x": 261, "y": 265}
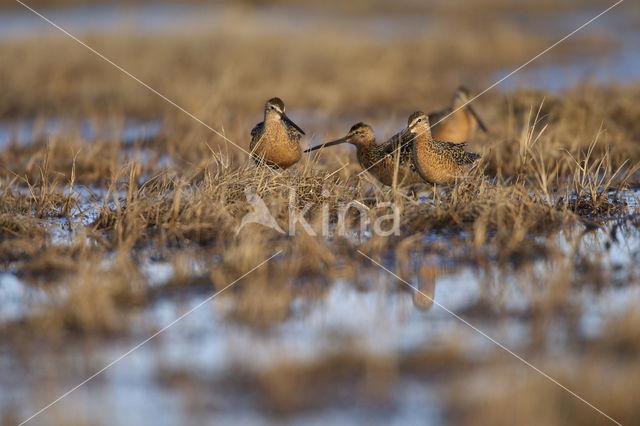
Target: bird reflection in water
{"x": 426, "y": 287}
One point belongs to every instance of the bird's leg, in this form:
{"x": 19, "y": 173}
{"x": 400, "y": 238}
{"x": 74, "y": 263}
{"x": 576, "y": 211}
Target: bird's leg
{"x": 416, "y": 193}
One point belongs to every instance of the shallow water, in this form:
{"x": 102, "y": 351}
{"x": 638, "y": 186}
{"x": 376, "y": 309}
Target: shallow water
{"x": 105, "y": 18}
{"x": 618, "y": 64}
{"x": 381, "y": 317}
{"x": 157, "y": 18}
{"x": 25, "y": 132}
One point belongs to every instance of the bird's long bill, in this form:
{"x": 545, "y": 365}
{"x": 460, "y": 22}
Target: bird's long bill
{"x": 336, "y": 142}
{"x": 291, "y": 123}
{"x": 475, "y": 115}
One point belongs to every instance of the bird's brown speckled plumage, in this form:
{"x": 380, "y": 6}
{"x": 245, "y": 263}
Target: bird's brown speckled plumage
{"x": 276, "y": 140}
{"x": 375, "y": 159}
{"x": 437, "y": 162}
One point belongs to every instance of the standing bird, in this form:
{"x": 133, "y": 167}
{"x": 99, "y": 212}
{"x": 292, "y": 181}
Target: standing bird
{"x": 461, "y": 122}
{"x": 373, "y": 157}
{"x": 276, "y": 140}
{"x": 436, "y": 161}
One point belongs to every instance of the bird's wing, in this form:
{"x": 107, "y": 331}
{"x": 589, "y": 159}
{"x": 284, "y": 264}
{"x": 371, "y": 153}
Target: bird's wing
{"x": 257, "y": 129}
{"x": 442, "y": 146}
{"x": 459, "y": 152}
{"x": 255, "y": 133}
{"x": 401, "y": 139}
{"x": 455, "y": 151}
{"x": 293, "y": 133}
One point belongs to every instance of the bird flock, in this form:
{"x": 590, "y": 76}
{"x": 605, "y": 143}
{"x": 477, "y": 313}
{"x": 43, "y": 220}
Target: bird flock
{"x": 418, "y": 154}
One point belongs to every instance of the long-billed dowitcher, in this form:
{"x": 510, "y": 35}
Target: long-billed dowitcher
{"x": 373, "y": 157}
{"x": 276, "y": 140}
{"x": 438, "y": 162}
{"x": 461, "y": 120}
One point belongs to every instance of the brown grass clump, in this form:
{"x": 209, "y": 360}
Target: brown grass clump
{"x": 344, "y": 378}
{"x": 496, "y": 402}
{"x": 97, "y": 297}
{"x": 350, "y": 376}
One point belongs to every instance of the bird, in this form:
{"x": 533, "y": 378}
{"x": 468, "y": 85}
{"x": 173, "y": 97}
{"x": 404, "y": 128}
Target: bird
{"x": 437, "y": 162}
{"x": 275, "y": 142}
{"x": 459, "y": 121}
{"x": 376, "y": 158}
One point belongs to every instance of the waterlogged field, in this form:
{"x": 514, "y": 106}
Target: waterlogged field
{"x": 121, "y": 216}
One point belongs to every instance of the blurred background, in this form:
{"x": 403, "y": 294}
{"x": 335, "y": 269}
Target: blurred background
{"x": 350, "y": 346}
{"x": 362, "y": 60}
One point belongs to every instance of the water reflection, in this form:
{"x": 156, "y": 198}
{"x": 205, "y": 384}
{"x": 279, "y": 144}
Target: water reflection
{"x": 423, "y": 298}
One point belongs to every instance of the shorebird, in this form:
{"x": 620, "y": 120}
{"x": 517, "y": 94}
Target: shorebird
{"x": 461, "y": 122}
{"x": 375, "y": 158}
{"x": 275, "y": 141}
{"x": 437, "y": 162}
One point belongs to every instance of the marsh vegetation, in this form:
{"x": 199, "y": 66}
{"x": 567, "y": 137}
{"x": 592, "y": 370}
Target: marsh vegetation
{"x": 119, "y": 213}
